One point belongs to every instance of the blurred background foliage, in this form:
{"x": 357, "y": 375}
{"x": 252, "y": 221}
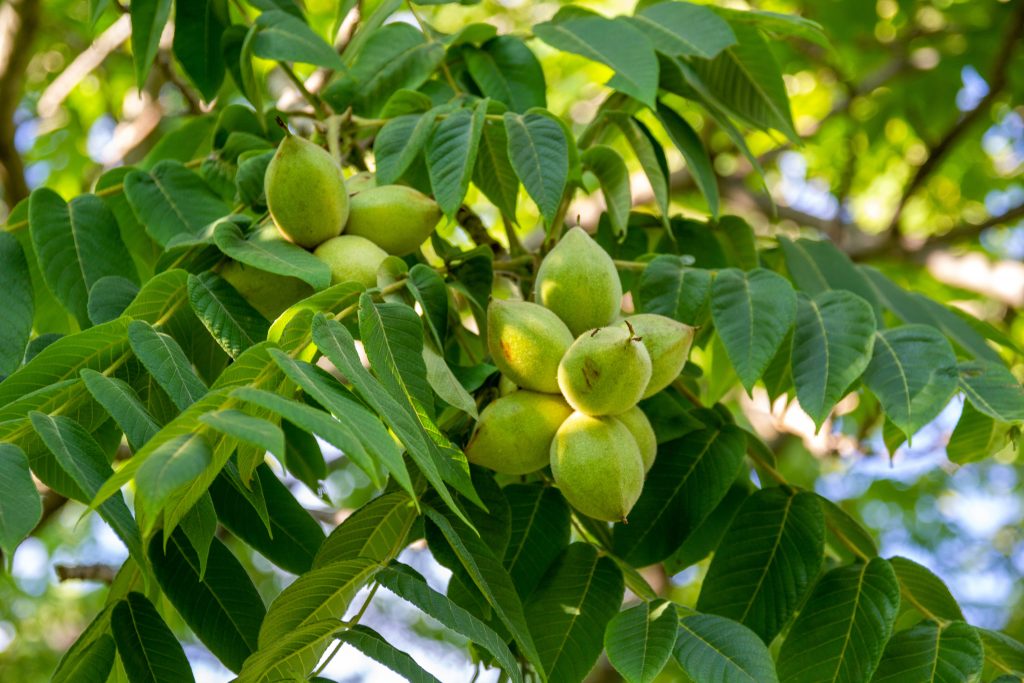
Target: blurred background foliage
{"x": 913, "y": 128}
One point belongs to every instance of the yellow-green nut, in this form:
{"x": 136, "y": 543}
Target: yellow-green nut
{"x": 306, "y": 192}
{"x": 604, "y": 372}
{"x": 578, "y": 281}
{"x": 396, "y": 218}
{"x": 268, "y": 293}
{"x": 667, "y": 342}
{"x": 643, "y": 433}
{"x": 351, "y": 259}
{"x": 526, "y": 342}
{"x": 597, "y": 465}
{"x": 514, "y": 433}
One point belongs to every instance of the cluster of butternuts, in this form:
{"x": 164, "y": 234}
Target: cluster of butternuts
{"x": 580, "y": 372}
{"x": 351, "y": 229}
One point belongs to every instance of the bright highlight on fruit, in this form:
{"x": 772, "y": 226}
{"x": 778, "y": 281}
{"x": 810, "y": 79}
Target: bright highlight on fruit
{"x": 305, "y": 192}
{"x": 514, "y": 433}
{"x": 605, "y": 371}
{"x": 351, "y": 259}
{"x": 597, "y": 465}
{"x": 396, "y": 218}
{"x": 668, "y": 344}
{"x": 526, "y": 342}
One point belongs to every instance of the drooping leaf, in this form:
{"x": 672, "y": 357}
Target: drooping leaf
{"x": 767, "y": 561}
{"x": 932, "y": 653}
{"x": 507, "y": 71}
{"x": 690, "y": 146}
{"x": 223, "y": 607}
{"x": 843, "y": 628}
{"x": 753, "y": 311}
{"x": 689, "y": 478}
{"x": 20, "y": 505}
{"x": 976, "y": 436}
{"x": 172, "y": 201}
{"x": 539, "y": 532}
{"x": 669, "y": 288}
{"x": 76, "y": 244}
{"x": 578, "y": 596}
{"x": 617, "y": 44}
{"x": 684, "y": 29}
{"x": 993, "y": 390}
{"x": 640, "y": 640}
{"x": 167, "y": 363}
{"x": 169, "y": 468}
{"x": 651, "y": 157}
{"x": 18, "y": 309}
{"x": 913, "y": 373}
{"x": 266, "y": 252}
{"x": 149, "y": 17}
{"x": 713, "y": 648}
{"x": 91, "y": 657}
{"x": 611, "y": 171}
{"x": 109, "y": 297}
{"x": 847, "y": 530}
{"x": 451, "y": 155}
{"x": 377, "y": 530}
{"x": 444, "y": 382}
{"x": 147, "y": 647}
{"x": 817, "y": 265}
{"x": 287, "y": 38}
{"x": 199, "y": 25}
{"x": 924, "y": 591}
{"x": 124, "y": 405}
{"x": 539, "y": 152}
{"x": 832, "y": 343}
{"x": 376, "y": 647}
{"x": 392, "y": 335}
{"x": 399, "y": 142}
{"x": 232, "y": 321}
{"x": 494, "y": 173}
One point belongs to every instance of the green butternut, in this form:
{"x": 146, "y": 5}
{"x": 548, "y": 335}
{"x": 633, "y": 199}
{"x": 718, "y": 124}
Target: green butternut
{"x": 351, "y": 259}
{"x": 640, "y": 427}
{"x": 604, "y": 372}
{"x": 305, "y": 192}
{"x": 396, "y": 218}
{"x": 668, "y": 344}
{"x": 514, "y": 433}
{"x": 269, "y": 293}
{"x": 578, "y": 281}
{"x": 526, "y": 342}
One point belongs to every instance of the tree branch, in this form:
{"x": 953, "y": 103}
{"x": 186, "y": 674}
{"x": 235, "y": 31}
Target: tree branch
{"x": 998, "y": 79}
{"x": 104, "y": 573}
{"x": 19, "y": 21}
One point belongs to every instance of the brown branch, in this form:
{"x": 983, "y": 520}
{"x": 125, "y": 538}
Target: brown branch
{"x": 103, "y": 573}
{"x": 19, "y": 22}
{"x": 163, "y": 60}
{"x": 997, "y": 82}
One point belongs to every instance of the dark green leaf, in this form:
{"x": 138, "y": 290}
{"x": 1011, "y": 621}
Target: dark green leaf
{"x": 374, "y": 646}
{"x": 924, "y": 591}
{"x": 284, "y": 37}
{"x": 149, "y": 17}
{"x": 109, "y": 296}
{"x": 18, "y": 309}
{"x": 539, "y": 152}
{"x": 611, "y": 171}
{"x": 493, "y": 173}
{"x": 931, "y": 653}
{"x": 147, "y": 647}
{"x": 198, "y": 26}
{"x": 265, "y": 250}
{"x": 124, "y": 405}
{"x": 172, "y": 201}
{"x": 684, "y": 29}
{"x": 20, "y": 505}
{"x": 399, "y": 142}
{"x": 507, "y": 71}
{"x": 232, "y": 321}
{"x": 170, "y": 467}
{"x": 817, "y": 265}
{"x": 712, "y": 648}
{"x": 668, "y": 288}
{"x": 767, "y": 561}
{"x": 451, "y": 155}
{"x": 639, "y": 641}
{"x": 540, "y": 520}
{"x": 91, "y": 657}
{"x": 166, "y": 362}
{"x": 685, "y": 138}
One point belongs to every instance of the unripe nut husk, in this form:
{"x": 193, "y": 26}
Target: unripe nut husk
{"x": 640, "y": 427}
{"x": 305, "y": 192}
{"x": 514, "y": 433}
{"x": 396, "y": 218}
{"x": 667, "y": 342}
{"x": 351, "y": 259}
{"x": 578, "y": 281}
{"x": 597, "y": 465}
{"x": 605, "y": 371}
{"x": 526, "y": 342}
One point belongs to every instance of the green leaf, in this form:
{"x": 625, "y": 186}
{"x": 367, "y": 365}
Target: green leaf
{"x": 149, "y": 17}
{"x": 993, "y": 390}
{"x": 683, "y": 29}
{"x": 1003, "y": 654}
{"x": 539, "y": 152}
{"x": 689, "y": 478}
{"x": 200, "y": 526}
{"x": 198, "y": 26}
{"x": 842, "y": 630}
{"x": 570, "y": 609}
{"x": 232, "y": 321}
{"x": 849, "y": 532}
{"x": 507, "y": 71}
{"x": 767, "y": 561}
{"x": 18, "y": 309}
{"x": 924, "y": 591}
{"x": 931, "y": 653}
{"x": 286, "y": 38}
{"x": 374, "y": 646}
{"x": 493, "y": 173}
{"x": 223, "y": 607}
{"x": 399, "y": 142}
{"x": 746, "y": 78}
{"x": 20, "y": 505}
{"x": 172, "y": 201}
{"x": 265, "y": 251}
{"x": 430, "y": 291}
{"x": 337, "y": 344}
{"x": 444, "y": 382}
{"x": 86, "y": 464}
{"x": 639, "y": 640}
{"x": 817, "y": 265}
{"x": 652, "y": 160}
{"x": 753, "y": 311}
{"x": 491, "y": 579}
{"x": 451, "y": 155}
{"x": 147, "y": 647}
{"x": 913, "y": 373}
{"x": 784, "y": 25}
{"x": 91, "y": 657}
{"x": 410, "y": 586}
{"x": 377, "y": 530}
{"x": 291, "y": 658}
{"x": 76, "y": 244}
{"x": 109, "y": 297}
{"x": 322, "y": 593}
{"x": 617, "y": 44}
{"x": 707, "y": 537}
{"x": 669, "y": 288}
{"x": 605, "y": 163}
{"x": 166, "y": 362}
{"x": 976, "y": 436}
{"x": 254, "y": 430}
{"x": 712, "y": 648}
{"x": 169, "y": 468}
{"x": 392, "y": 335}
{"x": 832, "y": 342}
{"x": 540, "y": 520}
{"x": 686, "y": 140}
{"x": 294, "y": 539}
{"x": 124, "y": 405}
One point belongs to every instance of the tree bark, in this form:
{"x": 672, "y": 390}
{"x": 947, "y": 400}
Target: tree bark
{"x": 19, "y": 22}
